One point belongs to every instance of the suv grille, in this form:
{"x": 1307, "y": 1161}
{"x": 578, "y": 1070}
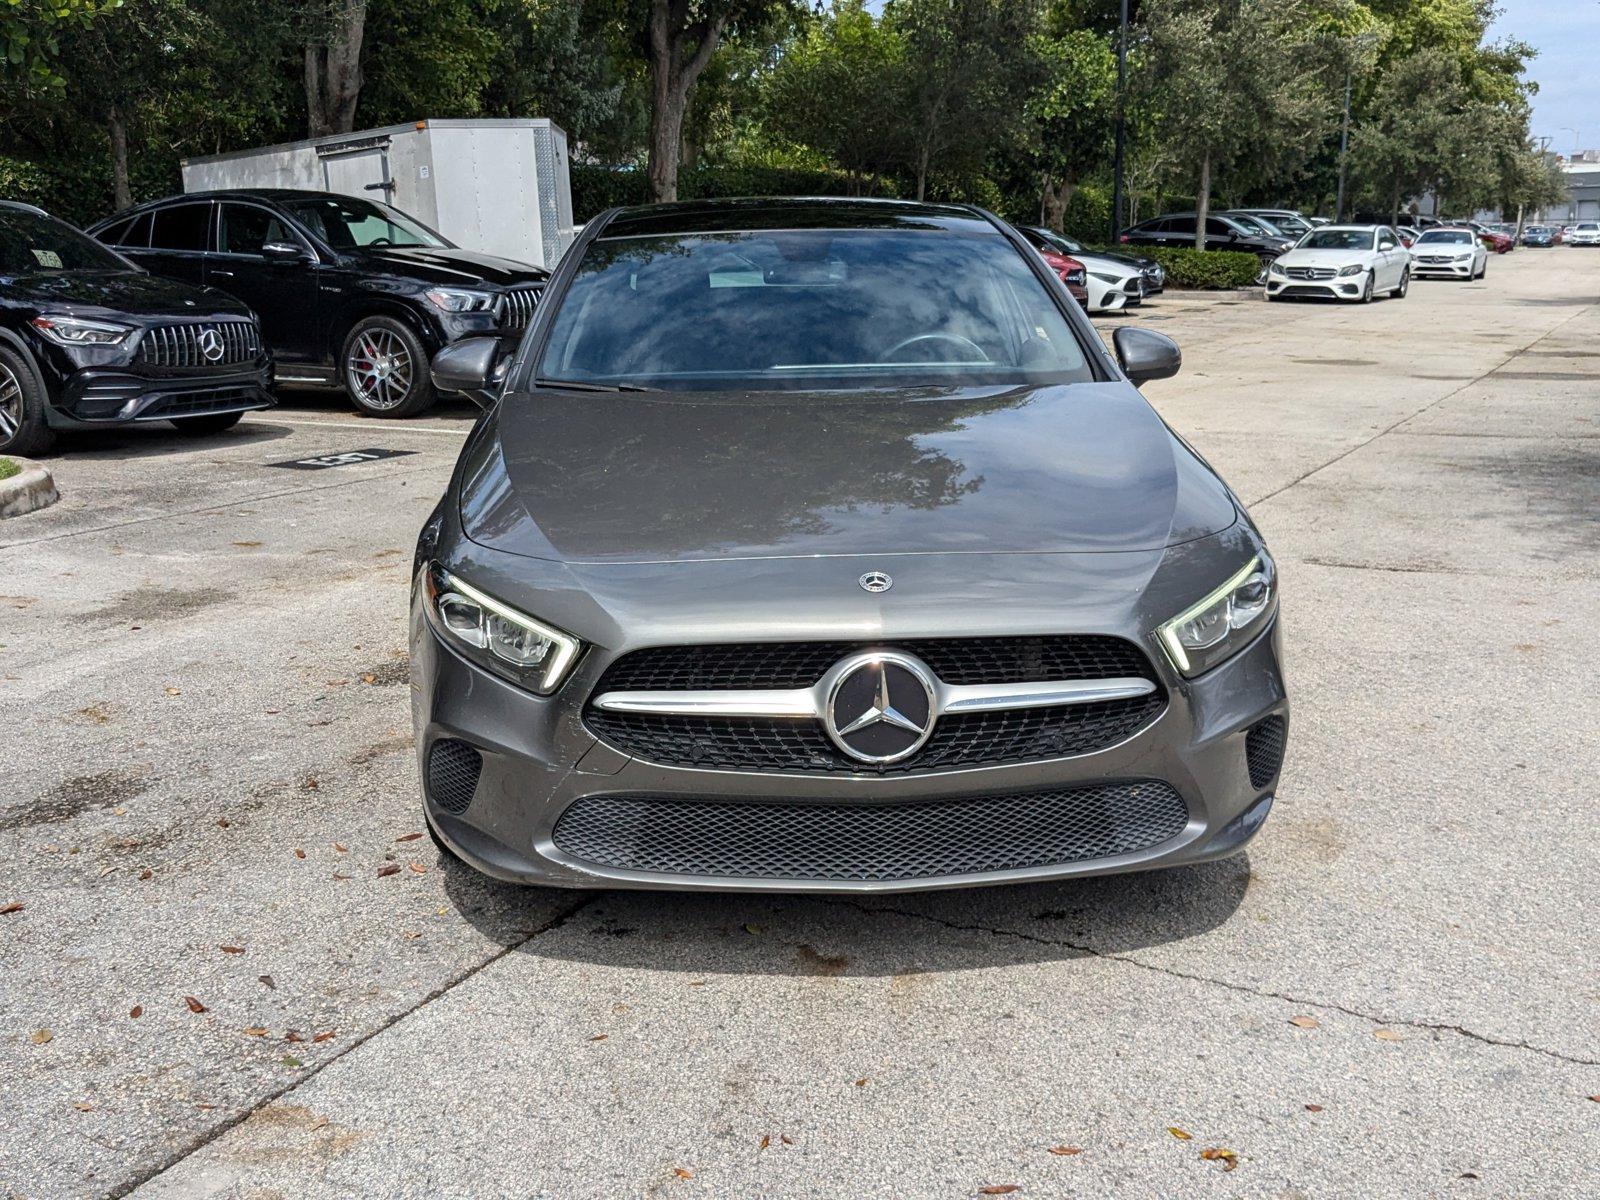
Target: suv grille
{"x": 516, "y": 307}
{"x": 882, "y": 843}
{"x": 801, "y": 745}
{"x": 180, "y": 345}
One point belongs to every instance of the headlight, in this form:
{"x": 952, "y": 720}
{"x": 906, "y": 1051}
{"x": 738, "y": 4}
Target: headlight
{"x": 1464, "y": 255}
{"x": 1352, "y": 269}
{"x": 75, "y": 331}
{"x": 1114, "y": 280}
{"x": 1276, "y": 268}
{"x": 460, "y": 300}
{"x": 1217, "y": 627}
{"x": 496, "y": 636}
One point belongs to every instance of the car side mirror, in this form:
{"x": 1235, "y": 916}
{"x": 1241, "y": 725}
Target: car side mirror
{"x": 474, "y": 367}
{"x": 1145, "y": 354}
{"x": 283, "y": 253}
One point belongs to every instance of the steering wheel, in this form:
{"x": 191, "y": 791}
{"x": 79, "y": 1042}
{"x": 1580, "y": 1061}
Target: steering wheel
{"x": 380, "y": 242}
{"x": 955, "y": 339}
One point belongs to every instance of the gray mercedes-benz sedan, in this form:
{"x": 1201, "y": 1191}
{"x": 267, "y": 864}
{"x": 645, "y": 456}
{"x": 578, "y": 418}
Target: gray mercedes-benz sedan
{"x": 822, "y": 545}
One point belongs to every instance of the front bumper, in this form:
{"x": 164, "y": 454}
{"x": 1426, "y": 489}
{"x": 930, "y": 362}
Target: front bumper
{"x": 1348, "y": 288}
{"x": 1448, "y": 270}
{"x": 538, "y": 758}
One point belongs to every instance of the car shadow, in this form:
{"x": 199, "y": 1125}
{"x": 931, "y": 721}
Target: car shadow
{"x": 158, "y": 439}
{"x": 872, "y": 935}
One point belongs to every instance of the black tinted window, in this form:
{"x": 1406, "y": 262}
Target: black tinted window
{"x": 1216, "y": 227}
{"x": 181, "y": 227}
{"x": 31, "y": 243}
{"x": 1180, "y": 225}
{"x": 244, "y": 229}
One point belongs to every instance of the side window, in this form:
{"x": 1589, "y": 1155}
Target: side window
{"x": 244, "y": 229}
{"x": 1215, "y": 227}
{"x": 1180, "y": 225}
{"x": 180, "y": 227}
{"x": 113, "y": 235}
{"x": 135, "y": 232}
{"x": 1387, "y": 238}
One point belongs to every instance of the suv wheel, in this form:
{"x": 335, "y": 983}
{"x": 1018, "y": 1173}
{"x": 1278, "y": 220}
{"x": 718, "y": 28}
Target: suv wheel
{"x": 22, "y": 424}
{"x": 384, "y": 368}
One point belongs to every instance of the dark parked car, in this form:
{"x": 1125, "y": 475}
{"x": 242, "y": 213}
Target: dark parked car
{"x": 1222, "y": 233}
{"x": 820, "y": 545}
{"x": 87, "y": 339}
{"x": 1154, "y": 276}
{"x": 1538, "y": 235}
{"x": 349, "y": 292}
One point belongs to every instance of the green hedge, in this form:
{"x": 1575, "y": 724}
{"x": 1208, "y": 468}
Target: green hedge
{"x": 595, "y": 189}
{"x": 80, "y": 189}
{"x": 1202, "y": 269}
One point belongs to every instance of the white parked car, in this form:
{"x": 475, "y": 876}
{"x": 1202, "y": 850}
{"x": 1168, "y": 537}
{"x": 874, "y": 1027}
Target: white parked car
{"x": 1585, "y": 233}
{"x": 1450, "y": 251}
{"x": 1342, "y": 262}
{"x": 1114, "y": 281}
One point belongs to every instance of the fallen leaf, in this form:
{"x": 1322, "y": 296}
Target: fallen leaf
{"x": 1179, "y": 1134}
{"x": 337, "y": 875}
{"x": 419, "y": 868}
{"x": 292, "y": 1036}
{"x": 247, "y": 545}
{"x": 339, "y": 848}
{"x": 222, "y": 822}
{"x": 1387, "y": 1035}
{"x": 599, "y": 1037}
{"x": 765, "y": 1142}
{"x": 83, "y": 1106}
{"x": 786, "y": 1139}
{"x": 231, "y": 949}
{"x": 194, "y": 1005}
{"x": 256, "y": 1030}
{"x": 299, "y": 853}
{"x": 1066, "y": 1150}
{"x": 290, "y": 1060}
{"x": 14, "y": 906}
{"x": 388, "y": 869}
{"x": 999, "y": 1189}
{"x": 326, "y": 1035}
{"x": 758, "y": 930}
{"x": 1217, "y": 1154}
{"x": 174, "y": 692}
{"x": 1303, "y": 1022}
{"x": 408, "y": 837}
{"x": 120, "y": 812}
{"x": 146, "y": 873}
{"x": 683, "y": 1172}
{"x": 1313, "y": 1108}
{"x": 40, "y": 1036}
{"x": 369, "y": 678}
{"x": 203, "y": 1106}
{"x": 861, "y": 1083}
{"x": 136, "y": 1011}
{"x": 267, "y": 979}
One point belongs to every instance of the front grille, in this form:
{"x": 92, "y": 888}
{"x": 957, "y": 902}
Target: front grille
{"x": 1310, "y": 272}
{"x": 1263, "y": 750}
{"x": 801, "y": 745}
{"x": 180, "y": 345}
{"x": 1295, "y": 289}
{"x": 884, "y": 843}
{"x": 516, "y": 307}
{"x": 453, "y": 769}
{"x": 202, "y": 402}
{"x": 1436, "y": 259}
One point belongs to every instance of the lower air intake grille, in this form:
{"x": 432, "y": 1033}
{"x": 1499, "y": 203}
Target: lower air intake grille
{"x": 453, "y": 774}
{"x": 1263, "y": 751}
{"x": 869, "y": 843}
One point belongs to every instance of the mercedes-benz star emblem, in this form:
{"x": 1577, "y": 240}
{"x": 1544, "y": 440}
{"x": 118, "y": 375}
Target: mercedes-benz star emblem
{"x": 875, "y": 581}
{"x": 211, "y": 344}
{"x": 880, "y": 706}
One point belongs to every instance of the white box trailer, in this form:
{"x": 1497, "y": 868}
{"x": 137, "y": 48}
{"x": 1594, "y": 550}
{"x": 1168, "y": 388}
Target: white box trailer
{"x": 499, "y": 186}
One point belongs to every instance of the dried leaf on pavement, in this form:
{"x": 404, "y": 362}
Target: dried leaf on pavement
{"x": 324, "y": 1036}
{"x": 231, "y": 949}
{"x": 388, "y": 869}
{"x": 599, "y": 1037}
{"x": 999, "y": 1189}
{"x": 40, "y": 1036}
{"x": 408, "y": 837}
{"x": 1180, "y": 1134}
{"x": 1313, "y": 1108}
{"x": 299, "y": 853}
{"x": 1387, "y": 1035}
{"x": 766, "y": 1141}
{"x": 14, "y": 906}
{"x": 194, "y": 1005}
{"x": 1222, "y": 1154}
{"x": 683, "y": 1172}
{"x": 136, "y": 1011}
{"x": 1066, "y": 1150}
{"x": 419, "y": 868}
{"x": 1303, "y": 1022}
{"x": 256, "y": 1030}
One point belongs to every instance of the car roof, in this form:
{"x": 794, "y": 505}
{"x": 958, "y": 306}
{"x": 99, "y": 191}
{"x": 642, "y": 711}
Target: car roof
{"x": 23, "y": 206}
{"x": 268, "y": 194}
{"x": 1354, "y": 226}
{"x": 747, "y": 214}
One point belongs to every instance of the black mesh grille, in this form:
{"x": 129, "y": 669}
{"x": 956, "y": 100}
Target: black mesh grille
{"x": 975, "y": 739}
{"x": 1263, "y": 751}
{"x": 878, "y": 843}
{"x": 184, "y": 345}
{"x": 801, "y": 664}
{"x": 453, "y": 774}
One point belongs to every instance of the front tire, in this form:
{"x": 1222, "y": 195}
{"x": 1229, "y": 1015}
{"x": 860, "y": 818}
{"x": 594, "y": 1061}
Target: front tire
{"x": 1366, "y": 292}
{"x": 22, "y": 407}
{"x": 212, "y": 423}
{"x": 1404, "y": 286}
{"x": 384, "y": 369}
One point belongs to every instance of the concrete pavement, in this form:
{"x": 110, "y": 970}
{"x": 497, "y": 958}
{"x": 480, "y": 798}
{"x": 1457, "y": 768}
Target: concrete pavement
{"x": 1393, "y": 992}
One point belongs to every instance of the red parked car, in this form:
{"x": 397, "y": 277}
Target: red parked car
{"x": 1500, "y": 243}
{"x": 1072, "y": 272}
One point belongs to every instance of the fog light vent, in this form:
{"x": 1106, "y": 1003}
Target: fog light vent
{"x": 453, "y": 774}
{"x": 1263, "y": 751}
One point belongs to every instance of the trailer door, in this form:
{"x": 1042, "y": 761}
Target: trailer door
{"x": 360, "y": 171}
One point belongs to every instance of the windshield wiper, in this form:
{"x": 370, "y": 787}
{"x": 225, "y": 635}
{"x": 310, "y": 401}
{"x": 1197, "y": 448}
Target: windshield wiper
{"x": 578, "y": 385}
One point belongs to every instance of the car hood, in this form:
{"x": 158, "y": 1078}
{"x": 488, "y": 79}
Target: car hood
{"x": 127, "y": 293}
{"x": 676, "y": 476}
{"x": 1110, "y": 264}
{"x": 1136, "y": 262}
{"x": 437, "y": 264}
{"x": 1323, "y": 258}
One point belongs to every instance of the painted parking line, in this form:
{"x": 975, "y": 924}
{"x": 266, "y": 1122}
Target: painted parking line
{"x": 366, "y": 425}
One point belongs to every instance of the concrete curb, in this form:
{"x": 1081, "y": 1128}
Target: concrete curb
{"x": 34, "y": 487}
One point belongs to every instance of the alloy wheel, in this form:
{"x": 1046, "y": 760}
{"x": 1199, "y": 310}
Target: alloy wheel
{"x": 10, "y": 403}
{"x": 380, "y": 369}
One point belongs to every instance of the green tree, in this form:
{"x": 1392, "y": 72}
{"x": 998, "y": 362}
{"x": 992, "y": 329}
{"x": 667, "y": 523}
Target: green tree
{"x": 1072, "y": 114}
{"x": 30, "y": 35}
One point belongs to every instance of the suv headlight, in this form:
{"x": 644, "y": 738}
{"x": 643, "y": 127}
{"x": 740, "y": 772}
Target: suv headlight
{"x": 1352, "y": 269}
{"x": 1217, "y": 627}
{"x": 460, "y": 300}
{"x": 1277, "y": 268}
{"x": 496, "y": 636}
{"x": 76, "y": 331}
{"x": 1105, "y": 278}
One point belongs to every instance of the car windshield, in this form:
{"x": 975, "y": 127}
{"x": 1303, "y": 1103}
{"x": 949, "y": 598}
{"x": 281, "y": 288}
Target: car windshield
{"x": 1292, "y": 226}
{"x": 31, "y": 242}
{"x": 1252, "y": 224}
{"x": 1059, "y": 241}
{"x": 346, "y": 223}
{"x": 781, "y": 309}
{"x": 1337, "y": 239}
{"x": 1449, "y": 237}
{"x": 1587, "y": 226}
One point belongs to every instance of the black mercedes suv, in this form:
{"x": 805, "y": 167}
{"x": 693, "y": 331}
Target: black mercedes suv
{"x": 350, "y": 293}
{"x": 88, "y": 339}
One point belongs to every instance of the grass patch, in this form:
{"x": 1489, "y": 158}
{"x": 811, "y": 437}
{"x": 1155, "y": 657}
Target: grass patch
{"x": 8, "y": 468}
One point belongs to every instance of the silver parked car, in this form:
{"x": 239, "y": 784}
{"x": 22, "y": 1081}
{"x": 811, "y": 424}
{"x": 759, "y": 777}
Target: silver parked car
{"x": 821, "y": 545}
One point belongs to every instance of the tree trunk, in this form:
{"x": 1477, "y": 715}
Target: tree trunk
{"x": 1202, "y": 202}
{"x": 924, "y": 152}
{"x": 118, "y": 130}
{"x": 1054, "y": 201}
{"x": 333, "y": 71}
{"x": 677, "y": 53}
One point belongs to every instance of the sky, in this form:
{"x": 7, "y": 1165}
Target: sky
{"x": 1567, "y": 35}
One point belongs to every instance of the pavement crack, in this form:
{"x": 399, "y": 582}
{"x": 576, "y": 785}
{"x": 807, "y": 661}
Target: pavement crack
{"x": 201, "y": 1141}
{"x": 1228, "y": 985}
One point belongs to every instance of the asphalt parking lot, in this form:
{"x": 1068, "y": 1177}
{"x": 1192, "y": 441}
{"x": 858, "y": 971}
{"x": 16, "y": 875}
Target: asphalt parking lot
{"x": 232, "y": 968}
